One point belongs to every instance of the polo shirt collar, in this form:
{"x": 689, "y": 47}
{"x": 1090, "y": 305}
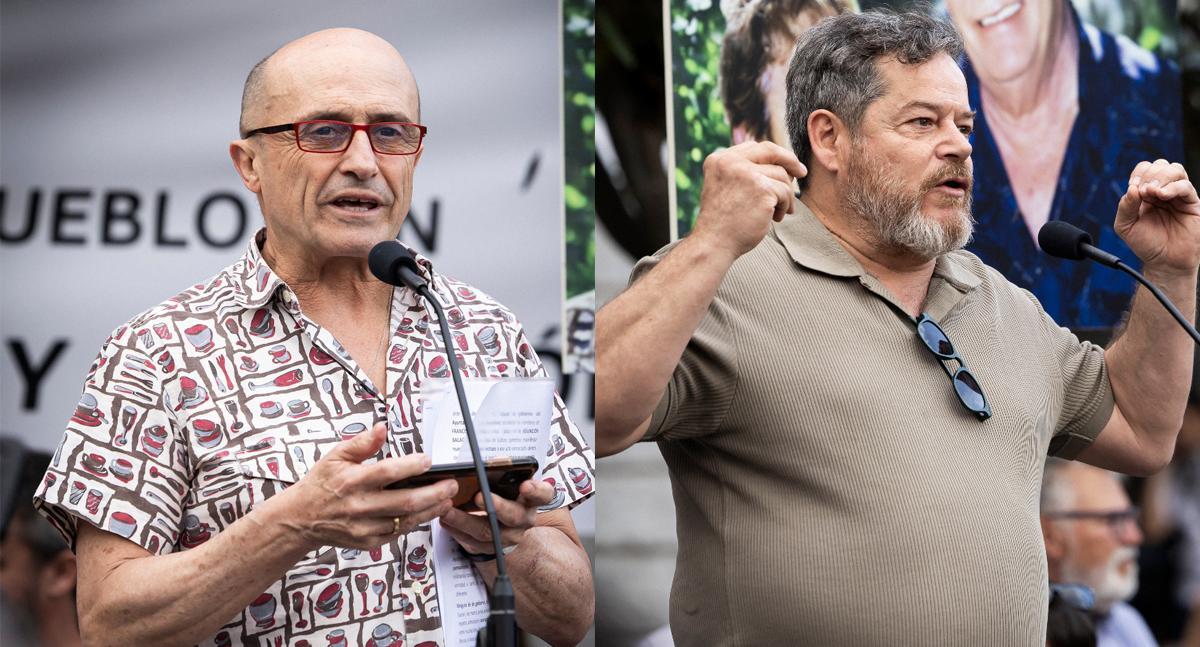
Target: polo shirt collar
{"x": 255, "y": 283}
{"x": 811, "y": 245}
{"x": 953, "y": 269}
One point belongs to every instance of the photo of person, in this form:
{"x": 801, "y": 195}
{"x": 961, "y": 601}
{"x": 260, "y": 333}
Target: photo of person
{"x": 728, "y": 60}
{"x": 760, "y": 36}
{"x": 1064, "y": 107}
{"x": 1064, "y": 110}
{"x": 180, "y": 414}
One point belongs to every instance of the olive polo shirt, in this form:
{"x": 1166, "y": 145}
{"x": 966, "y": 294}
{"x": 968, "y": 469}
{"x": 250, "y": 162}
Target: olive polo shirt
{"x": 829, "y": 486}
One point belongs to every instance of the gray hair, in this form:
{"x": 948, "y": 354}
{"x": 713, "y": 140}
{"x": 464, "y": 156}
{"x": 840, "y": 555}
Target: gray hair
{"x": 1058, "y": 492}
{"x": 834, "y": 66}
{"x": 252, "y": 91}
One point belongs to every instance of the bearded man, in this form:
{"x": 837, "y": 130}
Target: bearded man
{"x": 791, "y": 360}
{"x": 1092, "y": 538}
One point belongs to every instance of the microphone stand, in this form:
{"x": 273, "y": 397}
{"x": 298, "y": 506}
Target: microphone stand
{"x": 394, "y": 264}
{"x": 501, "y": 629}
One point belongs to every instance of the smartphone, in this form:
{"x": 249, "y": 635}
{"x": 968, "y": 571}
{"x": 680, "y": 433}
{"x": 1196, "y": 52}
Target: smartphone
{"x": 505, "y": 476}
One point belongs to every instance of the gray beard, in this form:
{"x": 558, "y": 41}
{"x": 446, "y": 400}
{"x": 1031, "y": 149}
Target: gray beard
{"x": 1107, "y": 583}
{"x": 892, "y": 217}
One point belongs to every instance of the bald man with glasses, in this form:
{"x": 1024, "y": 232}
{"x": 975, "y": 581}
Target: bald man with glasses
{"x": 223, "y": 477}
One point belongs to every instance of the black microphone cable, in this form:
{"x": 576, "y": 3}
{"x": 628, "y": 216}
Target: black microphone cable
{"x": 1064, "y": 240}
{"x": 394, "y": 264}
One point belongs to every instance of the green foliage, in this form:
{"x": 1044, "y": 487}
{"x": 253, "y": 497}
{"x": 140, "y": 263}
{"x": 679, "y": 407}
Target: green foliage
{"x": 1150, "y": 38}
{"x": 1149, "y": 23}
{"x": 700, "y": 127}
{"x": 579, "y": 138}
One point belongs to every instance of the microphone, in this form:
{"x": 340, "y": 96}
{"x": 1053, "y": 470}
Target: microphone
{"x": 394, "y": 264}
{"x": 1064, "y": 240}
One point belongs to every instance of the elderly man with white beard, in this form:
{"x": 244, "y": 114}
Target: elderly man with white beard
{"x": 853, "y": 410}
{"x": 1092, "y": 538}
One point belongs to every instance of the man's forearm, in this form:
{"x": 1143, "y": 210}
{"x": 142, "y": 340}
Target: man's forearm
{"x": 1150, "y": 363}
{"x": 552, "y": 581}
{"x": 185, "y": 597}
{"x": 641, "y": 335}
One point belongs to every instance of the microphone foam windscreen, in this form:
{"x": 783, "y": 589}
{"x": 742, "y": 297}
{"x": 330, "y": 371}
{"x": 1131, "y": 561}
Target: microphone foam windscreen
{"x": 383, "y": 259}
{"x": 1062, "y": 239}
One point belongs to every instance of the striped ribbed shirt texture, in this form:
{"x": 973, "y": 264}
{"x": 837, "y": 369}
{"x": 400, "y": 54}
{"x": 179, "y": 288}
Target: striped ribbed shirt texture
{"x": 830, "y": 488}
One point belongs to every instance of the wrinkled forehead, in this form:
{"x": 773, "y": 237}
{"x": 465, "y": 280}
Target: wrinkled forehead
{"x": 938, "y": 81}
{"x": 340, "y": 82}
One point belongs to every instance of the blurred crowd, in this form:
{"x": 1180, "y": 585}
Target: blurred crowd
{"x": 1124, "y": 554}
{"x": 37, "y": 569}
{"x": 1169, "y": 557}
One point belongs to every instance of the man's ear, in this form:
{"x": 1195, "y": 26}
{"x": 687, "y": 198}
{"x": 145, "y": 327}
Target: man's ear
{"x": 1056, "y": 542}
{"x": 828, "y": 136}
{"x": 243, "y": 154}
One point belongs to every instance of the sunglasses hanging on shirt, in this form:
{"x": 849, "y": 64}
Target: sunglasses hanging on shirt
{"x": 970, "y": 394}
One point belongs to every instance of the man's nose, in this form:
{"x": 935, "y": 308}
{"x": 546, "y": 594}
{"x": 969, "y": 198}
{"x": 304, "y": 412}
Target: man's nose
{"x": 359, "y": 159}
{"x": 954, "y": 144}
{"x": 1130, "y": 533}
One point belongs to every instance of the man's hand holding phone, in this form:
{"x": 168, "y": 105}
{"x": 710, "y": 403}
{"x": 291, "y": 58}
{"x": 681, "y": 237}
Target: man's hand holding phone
{"x": 341, "y": 502}
{"x": 472, "y": 532}
{"x": 515, "y": 493}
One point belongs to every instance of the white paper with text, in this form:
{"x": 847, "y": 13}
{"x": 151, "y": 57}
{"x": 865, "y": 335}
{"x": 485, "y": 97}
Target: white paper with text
{"x": 462, "y": 595}
{"x": 512, "y": 418}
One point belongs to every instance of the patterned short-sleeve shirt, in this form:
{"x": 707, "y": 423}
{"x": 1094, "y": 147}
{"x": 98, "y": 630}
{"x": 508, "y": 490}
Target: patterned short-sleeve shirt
{"x": 215, "y": 400}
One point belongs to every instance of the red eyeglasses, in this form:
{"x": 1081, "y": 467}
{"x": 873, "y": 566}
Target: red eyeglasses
{"x": 328, "y": 136}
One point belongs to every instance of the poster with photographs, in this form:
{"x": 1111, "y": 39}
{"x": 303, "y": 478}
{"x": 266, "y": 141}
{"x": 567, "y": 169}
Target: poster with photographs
{"x": 1070, "y": 96}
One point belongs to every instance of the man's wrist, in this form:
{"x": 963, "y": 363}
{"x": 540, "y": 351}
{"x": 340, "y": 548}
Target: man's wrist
{"x": 705, "y": 248}
{"x": 1162, "y": 274}
{"x": 278, "y": 519}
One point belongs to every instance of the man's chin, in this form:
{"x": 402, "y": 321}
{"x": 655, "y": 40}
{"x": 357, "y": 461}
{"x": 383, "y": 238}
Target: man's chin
{"x": 956, "y": 223}
{"x": 930, "y": 237}
{"x": 1118, "y": 585}
{"x": 356, "y": 241}
{"x": 946, "y": 209}
{"x": 358, "y": 248}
